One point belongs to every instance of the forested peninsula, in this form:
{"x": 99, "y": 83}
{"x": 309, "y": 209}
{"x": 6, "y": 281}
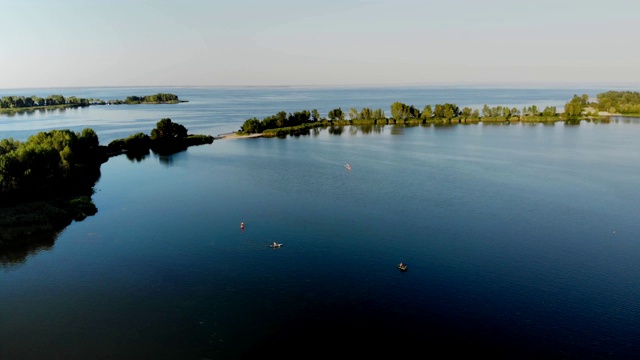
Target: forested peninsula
{"x": 47, "y": 181}
{"x": 624, "y": 103}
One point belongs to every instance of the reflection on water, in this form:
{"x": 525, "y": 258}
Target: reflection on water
{"x": 12, "y": 255}
{"x": 397, "y": 130}
{"x": 137, "y": 157}
{"x": 335, "y": 130}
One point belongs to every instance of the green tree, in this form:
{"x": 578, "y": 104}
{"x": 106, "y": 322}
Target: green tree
{"x": 252, "y": 126}
{"x": 282, "y": 119}
{"x": 402, "y": 112}
{"x": 298, "y": 118}
{"x": 166, "y": 129}
{"x": 466, "y": 113}
{"x": 315, "y": 115}
{"x": 366, "y": 114}
{"x": 506, "y": 112}
{"x": 427, "y": 113}
{"x": 574, "y": 107}
{"x": 8, "y": 145}
{"x": 379, "y": 114}
{"x": 336, "y": 114}
{"x": 353, "y": 114}
{"x": 486, "y": 111}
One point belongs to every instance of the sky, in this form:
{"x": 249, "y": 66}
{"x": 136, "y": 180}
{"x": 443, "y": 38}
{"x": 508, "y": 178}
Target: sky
{"x": 87, "y": 43}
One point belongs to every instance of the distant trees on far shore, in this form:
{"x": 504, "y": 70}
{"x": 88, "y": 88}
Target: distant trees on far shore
{"x": 16, "y": 102}
{"x": 26, "y": 102}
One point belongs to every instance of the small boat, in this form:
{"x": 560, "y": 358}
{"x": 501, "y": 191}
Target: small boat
{"x": 402, "y": 267}
{"x": 242, "y": 225}
{"x": 275, "y": 245}
{"x": 347, "y": 166}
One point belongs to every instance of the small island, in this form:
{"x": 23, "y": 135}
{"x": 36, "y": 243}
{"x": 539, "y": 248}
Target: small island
{"x": 12, "y": 104}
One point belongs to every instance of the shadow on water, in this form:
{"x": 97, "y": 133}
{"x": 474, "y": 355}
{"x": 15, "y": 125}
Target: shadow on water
{"x": 16, "y": 254}
{"x": 137, "y": 156}
{"x": 31, "y": 225}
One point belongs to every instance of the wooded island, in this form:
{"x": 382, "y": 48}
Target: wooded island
{"x": 10, "y": 104}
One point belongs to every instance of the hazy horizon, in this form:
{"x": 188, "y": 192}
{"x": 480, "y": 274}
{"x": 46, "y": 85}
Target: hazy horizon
{"x": 622, "y": 86}
{"x": 71, "y": 43}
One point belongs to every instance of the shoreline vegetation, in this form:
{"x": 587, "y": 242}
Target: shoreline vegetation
{"x": 618, "y": 103}
{"x": 47, "y": 181}
{"x": 17, "y": 104}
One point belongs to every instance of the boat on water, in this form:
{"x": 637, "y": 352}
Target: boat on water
{"x": 275, "y": 245}
{"x": 347, "y": 166}
{"x": 402, "y": 267}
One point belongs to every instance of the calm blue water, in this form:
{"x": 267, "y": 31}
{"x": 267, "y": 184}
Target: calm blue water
{"x": 521, "y": 240}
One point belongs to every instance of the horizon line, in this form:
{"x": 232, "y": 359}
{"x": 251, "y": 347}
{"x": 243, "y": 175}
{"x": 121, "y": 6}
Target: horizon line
{"x": 500, "y": 84}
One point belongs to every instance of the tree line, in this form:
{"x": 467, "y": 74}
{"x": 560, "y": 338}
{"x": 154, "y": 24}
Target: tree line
{"x": 48, "y": 162}
{"x": 59, "y": 159}
{"x": 16, "y": 102}
{"x": 166, "y": 138}
{"x": 21, "y": 102}
{"x": 158, "y": 98}
{"x": 621, "y": 102}
{"x": 402, "y": 113}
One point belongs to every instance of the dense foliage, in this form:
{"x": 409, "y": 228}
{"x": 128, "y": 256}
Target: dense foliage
{"x": 49, "y": 161}
{"x": 400, "y": 114}
{"x": 60, "y": 159}
{"x": 16, "y": 102}
{"x": 135, "y": 145}
{"x": 166, "y": 138}
{"x": 47, "y": 181}
{"x": 622, "y": 102}
{"x": 22, "y": 102}
{"x": 157, "y": 98}
{"x": 578, "y": 107}
{"x": 573, "y": 109}
{"x": 279, "y": 120}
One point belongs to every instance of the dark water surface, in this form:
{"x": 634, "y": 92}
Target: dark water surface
{"x": 521, "y": 240}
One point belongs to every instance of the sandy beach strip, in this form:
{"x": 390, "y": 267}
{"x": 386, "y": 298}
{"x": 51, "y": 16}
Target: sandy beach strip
{"x": 231, "y": 136}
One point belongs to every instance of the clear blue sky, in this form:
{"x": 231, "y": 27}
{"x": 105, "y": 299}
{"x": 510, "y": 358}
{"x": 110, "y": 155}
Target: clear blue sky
{"x": 63, "y": 43}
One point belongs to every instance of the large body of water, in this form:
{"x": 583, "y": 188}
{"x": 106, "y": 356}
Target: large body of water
{"x": 522, "y": 240}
